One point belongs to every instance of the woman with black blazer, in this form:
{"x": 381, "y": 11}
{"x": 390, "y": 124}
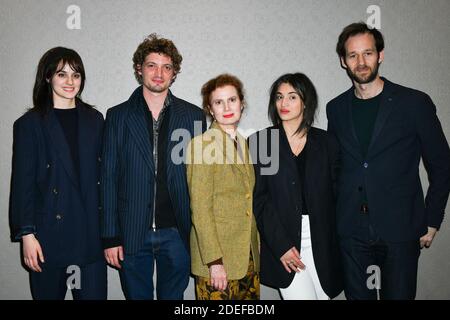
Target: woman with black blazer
{"x": 294, "y": 200}
{"x": 54, "y": 208}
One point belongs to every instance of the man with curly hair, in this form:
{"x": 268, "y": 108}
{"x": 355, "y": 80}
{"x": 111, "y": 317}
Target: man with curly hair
{"x": 145, "y": 213}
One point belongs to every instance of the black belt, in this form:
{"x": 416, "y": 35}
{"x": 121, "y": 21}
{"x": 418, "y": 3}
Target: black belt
{"x": 364, "y": 208}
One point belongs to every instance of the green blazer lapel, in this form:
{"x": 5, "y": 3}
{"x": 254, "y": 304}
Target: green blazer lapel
{"x": 247, "y": 161}
{"x": 226, "y": 147}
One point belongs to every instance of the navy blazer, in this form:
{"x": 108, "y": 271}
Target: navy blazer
{"x": 128, "y": 171}
{"x": 406, "y": 130}
{"x": 48, "y": 198}
{"x": 277, "y": 205}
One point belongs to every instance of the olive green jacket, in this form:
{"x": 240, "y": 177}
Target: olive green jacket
{"x": 221, "y": 194}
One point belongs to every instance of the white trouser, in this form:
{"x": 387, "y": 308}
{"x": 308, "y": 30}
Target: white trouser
{"x": 305, "y": 285}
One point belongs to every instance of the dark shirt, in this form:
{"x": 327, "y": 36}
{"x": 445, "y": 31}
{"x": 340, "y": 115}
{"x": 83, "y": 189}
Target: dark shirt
{"x": 68, "y": 119}
{"x": 301, "y": 162}
{"x": 364, "y": 112}
{"x": 159, "y": 137}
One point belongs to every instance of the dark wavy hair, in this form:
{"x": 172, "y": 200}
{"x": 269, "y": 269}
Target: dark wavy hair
{"x": 220, "y": 81}
{"x": 355, "y": 29}
{"x": 307, "y": 92}
{"x": 47, "y": 67}
{"x": 153, "y": 44}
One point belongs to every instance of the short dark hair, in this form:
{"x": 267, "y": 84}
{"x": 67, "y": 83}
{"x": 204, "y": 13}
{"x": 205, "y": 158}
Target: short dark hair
{"x": 307, "y": 92}
{"x": 47, "y": 67}
{"x": 220, "y": 81}
{"x": 153, "y": 44}
{"x": 355, "y": 29}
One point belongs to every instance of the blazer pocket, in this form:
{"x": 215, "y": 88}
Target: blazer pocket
{"x": 398, "y": 128}
{"x": 404, "y": 189}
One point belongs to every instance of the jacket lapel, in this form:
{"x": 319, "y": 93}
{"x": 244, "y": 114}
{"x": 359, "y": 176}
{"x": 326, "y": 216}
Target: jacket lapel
{"x": 246, "y": 162}
{"x": 136, "y": 123}
{"x": 386, "y": 107}
{"x": 349, "y": 116}
{"x": 313, "y": 152}
{"x": 86, "y": 147}
{"x": 227, "y": 148}
{"x": 59, "y": 143}
{"x": 175, "y": 122}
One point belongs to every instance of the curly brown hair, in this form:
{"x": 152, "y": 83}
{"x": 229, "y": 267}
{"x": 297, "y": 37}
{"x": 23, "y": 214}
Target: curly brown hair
{"x": 219, "y": 82}
{"x": 153, "y": 44}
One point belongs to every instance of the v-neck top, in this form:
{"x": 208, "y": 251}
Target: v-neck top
{"x": 68, "y": 119}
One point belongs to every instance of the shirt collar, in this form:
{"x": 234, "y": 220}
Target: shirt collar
{"x": 167, "y": 101}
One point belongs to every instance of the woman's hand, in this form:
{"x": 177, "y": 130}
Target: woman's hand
{"x": 291, "y": 260}
{"x": 32, "y": 251}
{"x": 218, "y": 277}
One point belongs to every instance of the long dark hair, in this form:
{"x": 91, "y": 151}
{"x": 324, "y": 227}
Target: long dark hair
{"x": 47, "y": 67}
{"x": 307, "y": 92}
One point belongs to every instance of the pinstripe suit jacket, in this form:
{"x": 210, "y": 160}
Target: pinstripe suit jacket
{"x": 128, "y": 171}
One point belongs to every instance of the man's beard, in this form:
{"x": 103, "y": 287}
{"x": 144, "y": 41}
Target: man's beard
{"x": 156, "y": 89}
{"x": 372, "y": 76}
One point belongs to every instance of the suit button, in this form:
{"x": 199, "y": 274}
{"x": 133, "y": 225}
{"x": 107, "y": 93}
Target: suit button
{"x": 55, "y": 191}
{"x": 293, "y": 182}
{"x": 248, "y": 213}
{"x": 100, "y": 208}
{"x": 99, "y": 159}
{"x": 247, "y": 196}
{"x": 58, "y": 217}
{"x": 365, "y": 165}
{"x": 48, "y": 165}
{"x": 98, "y": 182}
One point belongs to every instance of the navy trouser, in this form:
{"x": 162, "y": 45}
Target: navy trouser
{"x": 166, "y": 248}
{"x": 89, "y": 281}
{"x": 397, "y": 262}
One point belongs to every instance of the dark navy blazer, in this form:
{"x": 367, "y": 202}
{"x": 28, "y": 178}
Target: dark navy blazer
{"x": 128, "y": 171}
{"x": 406, "y": 130}
{"x": 277, "y": 205}
{"x": 48, "y": 197}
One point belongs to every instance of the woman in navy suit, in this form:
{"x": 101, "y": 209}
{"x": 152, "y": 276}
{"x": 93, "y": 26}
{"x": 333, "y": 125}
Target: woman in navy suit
{"x": 55, "y": 181}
